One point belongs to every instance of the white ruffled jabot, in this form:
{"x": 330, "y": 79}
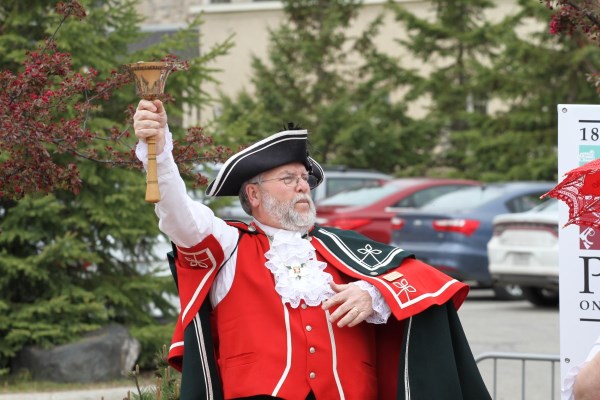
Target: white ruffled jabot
{"x": 298, "y": 274}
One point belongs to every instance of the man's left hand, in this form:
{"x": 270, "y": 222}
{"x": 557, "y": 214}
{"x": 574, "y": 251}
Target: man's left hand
{"x": 354, "y": 305}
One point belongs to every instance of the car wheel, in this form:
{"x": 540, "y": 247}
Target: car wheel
{"x": 541, "y": 297}
{"x": 508, "y": 292}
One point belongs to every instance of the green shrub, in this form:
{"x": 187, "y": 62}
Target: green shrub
{"x": 152, "y": 339}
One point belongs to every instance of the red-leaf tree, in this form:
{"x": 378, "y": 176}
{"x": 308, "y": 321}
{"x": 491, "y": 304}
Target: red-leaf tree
{"x": 76, "y": 237}
{"x": 571, "y": 16}
{"x": 45, "y": 109}
{"x": 577, "y": 16}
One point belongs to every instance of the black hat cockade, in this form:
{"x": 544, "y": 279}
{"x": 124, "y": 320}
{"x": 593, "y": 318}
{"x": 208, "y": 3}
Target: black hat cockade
{"x": 279, "y": 149}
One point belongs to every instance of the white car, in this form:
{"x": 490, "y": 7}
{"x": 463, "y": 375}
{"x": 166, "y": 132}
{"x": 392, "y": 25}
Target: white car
{"x": 524, "y": 251}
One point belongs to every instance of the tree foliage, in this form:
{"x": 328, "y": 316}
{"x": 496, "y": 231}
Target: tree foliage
{"x": 536, "y": 72}
{"x": 335, "y": 84}
{"x": 455, "y": 46}
{"x": 492, "y": 88}
{"x": 577, "y": 17}
{"x": 571, "y": 16}
{"x": 76, "y": 237}
{"x": 487, "y": 89}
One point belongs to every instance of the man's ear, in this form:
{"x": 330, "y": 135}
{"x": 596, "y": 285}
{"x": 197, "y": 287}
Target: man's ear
{"x": 253, "y": 195}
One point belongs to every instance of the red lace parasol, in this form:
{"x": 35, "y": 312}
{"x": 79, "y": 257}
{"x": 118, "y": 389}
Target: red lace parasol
{"x": 580, "y": 190}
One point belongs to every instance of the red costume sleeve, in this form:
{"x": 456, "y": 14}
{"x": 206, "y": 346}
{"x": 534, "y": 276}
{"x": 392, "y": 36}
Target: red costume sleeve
{"x": 196, "y": 269}
{"x": 409, "y": 288}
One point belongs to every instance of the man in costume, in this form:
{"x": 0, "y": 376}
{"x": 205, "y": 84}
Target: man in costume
{"x": 282, "y": 308}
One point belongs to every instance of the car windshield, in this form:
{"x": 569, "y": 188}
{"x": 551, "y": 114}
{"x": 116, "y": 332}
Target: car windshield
{"x": 361, "y": 197}
{"x": 550, "y": 206}
{"x": 464, "y": 199}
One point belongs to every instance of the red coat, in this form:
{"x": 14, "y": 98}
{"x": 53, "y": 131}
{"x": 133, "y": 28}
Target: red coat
{"x": 265, "y": 347}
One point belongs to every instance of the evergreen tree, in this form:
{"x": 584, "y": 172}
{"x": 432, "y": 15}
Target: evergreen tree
{"x": 320, "y": 77}
{"x": 493, "y": 88}
{"x": 72, "y": 254}
{"x": 456, "y": 47}
{"x": 535, "y": 72}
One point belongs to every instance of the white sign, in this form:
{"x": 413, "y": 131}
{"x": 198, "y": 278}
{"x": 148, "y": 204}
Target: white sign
{"x": 579, "y": 247}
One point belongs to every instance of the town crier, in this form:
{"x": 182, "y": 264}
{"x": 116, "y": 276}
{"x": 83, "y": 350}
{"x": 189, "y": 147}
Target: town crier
{"x": 283, "y": 308}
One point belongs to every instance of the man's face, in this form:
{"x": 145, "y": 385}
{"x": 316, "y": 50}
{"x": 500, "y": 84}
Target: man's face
{"x": 285, "y": 197}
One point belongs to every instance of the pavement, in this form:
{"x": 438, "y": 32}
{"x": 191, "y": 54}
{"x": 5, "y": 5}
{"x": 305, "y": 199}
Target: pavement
{"x": 119, "y": 393}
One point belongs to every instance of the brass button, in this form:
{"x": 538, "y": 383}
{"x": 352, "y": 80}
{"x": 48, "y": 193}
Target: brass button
{"x": 308, "y": 328}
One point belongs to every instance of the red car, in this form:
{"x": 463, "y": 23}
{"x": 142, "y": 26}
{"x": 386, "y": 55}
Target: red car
{"x": 369, "y": 210}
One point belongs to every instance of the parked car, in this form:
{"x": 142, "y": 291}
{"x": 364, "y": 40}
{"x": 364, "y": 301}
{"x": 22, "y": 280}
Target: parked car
{"x": 369, "y": 210}
{"x": 337, "y": 179}
{"x": 451, "y": 232}
{"x": 524, "y": 251}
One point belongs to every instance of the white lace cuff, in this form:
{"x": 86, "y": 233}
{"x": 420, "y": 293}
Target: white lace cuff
{"x": 381, "y": 310}
{"x": 569, "y": 382}
{"x": 141, "y": 149}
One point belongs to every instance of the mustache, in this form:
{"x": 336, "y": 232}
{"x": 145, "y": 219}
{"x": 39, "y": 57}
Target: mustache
{"x": 302, "y": 197}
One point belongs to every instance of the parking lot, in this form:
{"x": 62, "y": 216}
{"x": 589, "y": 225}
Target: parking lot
{"x": 513, "y": 327}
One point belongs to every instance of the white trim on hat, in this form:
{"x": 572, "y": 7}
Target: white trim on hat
{"x": 313, "y": 163}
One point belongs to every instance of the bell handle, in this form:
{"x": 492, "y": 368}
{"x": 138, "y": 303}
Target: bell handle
{"x": 152, "y": 191}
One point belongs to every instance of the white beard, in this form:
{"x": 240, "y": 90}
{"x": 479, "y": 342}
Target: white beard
{"x": 286, "y": 214}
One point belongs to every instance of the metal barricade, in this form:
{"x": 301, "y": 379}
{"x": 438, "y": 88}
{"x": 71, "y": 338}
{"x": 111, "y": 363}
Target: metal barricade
{"x": 531, "y": 366}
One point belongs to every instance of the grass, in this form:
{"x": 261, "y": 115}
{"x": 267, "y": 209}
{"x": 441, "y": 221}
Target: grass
{"x": 143, "y": 385}
{"x": 24, "y": 384}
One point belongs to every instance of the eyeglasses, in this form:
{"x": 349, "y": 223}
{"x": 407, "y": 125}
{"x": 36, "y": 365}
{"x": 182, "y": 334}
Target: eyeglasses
{"x": 293, "y": 180}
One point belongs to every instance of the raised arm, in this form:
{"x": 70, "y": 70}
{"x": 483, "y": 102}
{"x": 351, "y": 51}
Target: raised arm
{"x": 184, "y": 220}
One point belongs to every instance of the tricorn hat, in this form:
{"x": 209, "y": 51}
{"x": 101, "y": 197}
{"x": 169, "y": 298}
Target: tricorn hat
{"x": 279, "y": 149}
